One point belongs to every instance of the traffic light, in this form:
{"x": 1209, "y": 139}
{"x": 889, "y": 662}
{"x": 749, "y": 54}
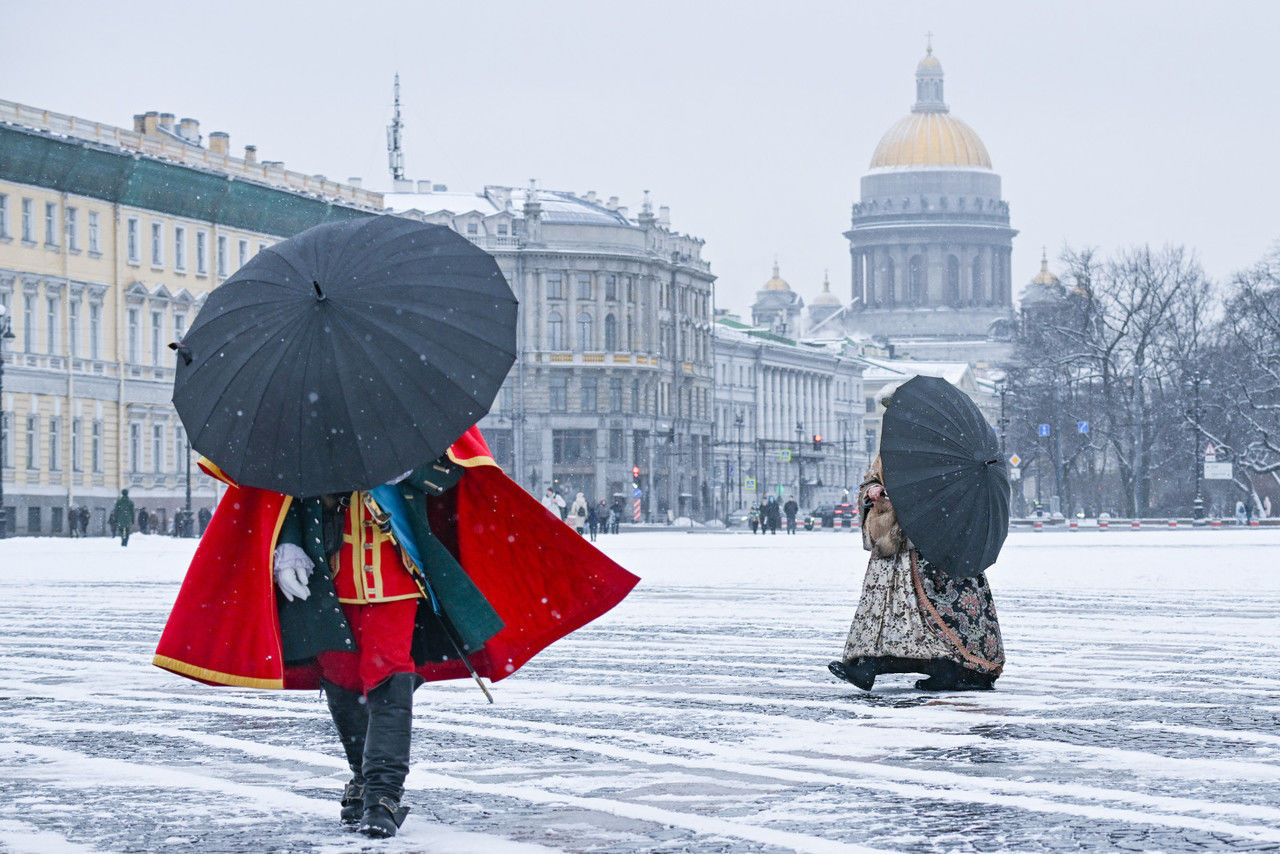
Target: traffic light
{"x": 817, "y": 441}
{"x": 635, "y": 477}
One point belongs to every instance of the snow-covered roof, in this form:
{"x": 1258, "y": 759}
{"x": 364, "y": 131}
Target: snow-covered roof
{"x": 557, "y": 206}
{"x": 892, "y": 370}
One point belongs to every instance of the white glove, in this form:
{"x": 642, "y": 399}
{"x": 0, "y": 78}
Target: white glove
{"x": 292, "y": 571}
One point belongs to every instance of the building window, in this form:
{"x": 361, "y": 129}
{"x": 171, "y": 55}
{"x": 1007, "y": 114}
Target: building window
{"x": 33, "y": 441}
{"x": 222, "y": 256}
{"x": 242, "y": 249}
{"x": 73, "y": 328}
{"x": 555, "y": 331}
{"x": 157, "y": 244}
{"x": 202, "y": 253}
{"x": 610, "y": 333}
{"x": 4, "y": 216}
{"x": 473, "y": 229}
{"x": 73, "y": 230}
{"x": 95, "y": 234}
{"x": 555, "y": 286}
{"x": 584, "y": 286}
{"x": 96, "y": 450}
{"x": 590, "y": 399}
{"x": 611, "y": 287}
{"x": 157, "y": 327}
{"x": 871, "y": 440}
{"x": 95, "y": 330}
{"x": 584, "y": 341}
{"x": 636, "y": 403}
{"x": 559, "y": 394}
{"x": 132, "y": 240}
{"x": 55, "y": 444}
{"x": 157, "y": 448}
{"x": 573, "y": 446}
{"x": 631, "y": 290}
{"x": 615, "y": 394}
{"x": 261, "y": 246}
{"x": 28, "y": 221}
{"x": 135, "y": 447}
{"x": 6, "y": 420}
{"x": 179, "y": 326}
{"x": 502, "y": 229}
{"x": 617, "y": 444}
{"x": 871, "y": 405}
{"x": 133, "y": 344}
{"x": 77, "y": 444}
{"x": 179, "y": 249}
{"x": 50, "y": 223}
{"x": 51, "y": 337}
{"x": 28, "y": 323}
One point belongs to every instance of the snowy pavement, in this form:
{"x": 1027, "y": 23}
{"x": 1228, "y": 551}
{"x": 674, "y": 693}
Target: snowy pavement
{"x": 1138, "y": 711}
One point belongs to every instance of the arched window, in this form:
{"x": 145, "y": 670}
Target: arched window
{"x": 584, "y": 341}
{"x": 979, "y": 285}
{"x": 555, "y": 331}
{"x": 918, "y": 281}
{"x": 610, "y": 333}
{"x": 952, "y": 295}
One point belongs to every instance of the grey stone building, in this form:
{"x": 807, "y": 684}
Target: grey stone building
{"x": 614, "y": 369}
{"x": 788, "y": 416}
{"x": 930, "y": 239}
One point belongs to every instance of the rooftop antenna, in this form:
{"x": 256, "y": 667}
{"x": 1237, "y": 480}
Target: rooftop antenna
{"x": 395, "y": 130}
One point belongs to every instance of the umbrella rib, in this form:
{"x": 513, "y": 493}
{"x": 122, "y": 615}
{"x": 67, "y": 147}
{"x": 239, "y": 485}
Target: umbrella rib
{"x": 347, "y": 401}
{"x": 445, "y": 345}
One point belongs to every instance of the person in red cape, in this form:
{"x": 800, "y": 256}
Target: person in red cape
{"x": 460, "y": 573}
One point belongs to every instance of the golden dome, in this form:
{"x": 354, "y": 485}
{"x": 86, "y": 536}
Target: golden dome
{"x": 777, "y": 283}
{"x": 930, "y": 139}
{"x": 826, "y": 297}
{"x": 1045, "y": 277}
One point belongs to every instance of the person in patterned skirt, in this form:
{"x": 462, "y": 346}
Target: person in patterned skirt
{"x": 913, "y": 617}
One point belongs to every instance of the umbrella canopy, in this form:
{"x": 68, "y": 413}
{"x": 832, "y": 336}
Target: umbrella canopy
{"x": 345, "y": 356}
{"x": 945, "y": 476}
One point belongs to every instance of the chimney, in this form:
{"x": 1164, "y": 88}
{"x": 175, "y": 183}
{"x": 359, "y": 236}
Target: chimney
{"x": 664, "y": 216}
{"x": 591, "y": 196}
{"x": 220, "y": 142}
{"x": 251, "y": 154}
{"x": 356, "y": 182}
{"x": 613, "y": 203}
{"x": 166, "y": 121}
{"x": 189, "y": 129}
{"x": 424, "y": 186}
{"x": 150, "y": 121}
{"x": 139, "y": 123}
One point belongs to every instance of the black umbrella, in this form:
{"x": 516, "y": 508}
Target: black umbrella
{"x": 346, "y": 355}
{"x": 945, "y": 476}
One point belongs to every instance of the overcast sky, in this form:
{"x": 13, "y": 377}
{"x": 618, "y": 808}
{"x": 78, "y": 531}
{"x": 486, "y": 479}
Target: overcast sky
{"x": 1111, "y": 123}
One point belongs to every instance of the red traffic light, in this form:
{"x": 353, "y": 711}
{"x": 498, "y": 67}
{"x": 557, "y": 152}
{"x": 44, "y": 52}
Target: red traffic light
{"x": 817, "y": 438}
{"x": 635, "y": 471}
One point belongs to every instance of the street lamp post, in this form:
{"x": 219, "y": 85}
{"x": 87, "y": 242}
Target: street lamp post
{"x": 6, "y": 333}
{"x": 1194, "y": 414}
{"x": 738, "y": 422}
{"x": 800, "y": 462}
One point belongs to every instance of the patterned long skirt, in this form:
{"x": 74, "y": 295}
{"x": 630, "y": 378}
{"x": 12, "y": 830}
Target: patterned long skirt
{"x": 910, "y": 609}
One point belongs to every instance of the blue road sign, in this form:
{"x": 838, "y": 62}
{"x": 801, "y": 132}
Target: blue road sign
{"x": 1044, "y": 430}
{"x": 1082, "y": 427}
{"x": 637, "y": 492}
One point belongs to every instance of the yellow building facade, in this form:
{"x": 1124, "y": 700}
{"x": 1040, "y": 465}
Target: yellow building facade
{"x": 109, "y": 242}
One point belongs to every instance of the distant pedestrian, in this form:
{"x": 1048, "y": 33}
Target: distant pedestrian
{"x": 122, "y": 516}
{"x": 791, "y": 509}
{"x": 1240, "y": 515}
{"x": 73, "y": 521}
{"x": 554, "y": 503}
{"x": 753, "y": 518}
{"x": 615, "y": 516}
{"x": 593, "y": 521}
{"x": 772, "y": 515}
{"x": 82, "y": 515}
{"x": 578, "y": 514}
{"x": 1248, "y": 510}
{"x": 206, "y": 516}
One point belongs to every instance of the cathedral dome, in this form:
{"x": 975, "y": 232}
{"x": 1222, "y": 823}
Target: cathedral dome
{"x": 930, "y": 136}
{"x": 826, "y": 297}
{"x": 1045, "y": 277}
{"x": 777, "y": 283}
{"x": 930, "y": 139}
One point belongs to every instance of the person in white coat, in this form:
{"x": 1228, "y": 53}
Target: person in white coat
{"x": 554, "y": 503}
{"x": 578, "y": 513}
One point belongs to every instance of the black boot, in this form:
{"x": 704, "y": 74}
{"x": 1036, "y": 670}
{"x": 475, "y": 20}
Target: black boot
{"x": 386, "y": 754}
{"x": 947, "y": 675}
{"x": 860, "y": 671}
{"x": 351, "y": 717}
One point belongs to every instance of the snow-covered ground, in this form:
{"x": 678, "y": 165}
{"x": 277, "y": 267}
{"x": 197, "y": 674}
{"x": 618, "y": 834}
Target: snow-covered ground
{"x": 1139, "y": 711}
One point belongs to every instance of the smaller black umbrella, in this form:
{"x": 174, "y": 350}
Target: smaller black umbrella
{"x": 945, "y": 476}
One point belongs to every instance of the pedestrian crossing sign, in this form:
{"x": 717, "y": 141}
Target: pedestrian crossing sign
{"x": 749, "y": 484}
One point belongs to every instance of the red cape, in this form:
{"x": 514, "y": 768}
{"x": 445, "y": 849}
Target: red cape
{"x": 542, "y": 578}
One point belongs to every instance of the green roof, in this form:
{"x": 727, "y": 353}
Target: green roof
{"x": 127, "y": 178}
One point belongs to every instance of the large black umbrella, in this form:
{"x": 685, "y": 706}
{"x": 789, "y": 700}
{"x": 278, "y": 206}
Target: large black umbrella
{"x": 346, "y": 355}
{"x": 945, "y": 476}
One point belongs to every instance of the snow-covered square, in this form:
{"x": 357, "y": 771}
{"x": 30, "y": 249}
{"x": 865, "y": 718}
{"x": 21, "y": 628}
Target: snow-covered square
{"x": 1138, "y": 711}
